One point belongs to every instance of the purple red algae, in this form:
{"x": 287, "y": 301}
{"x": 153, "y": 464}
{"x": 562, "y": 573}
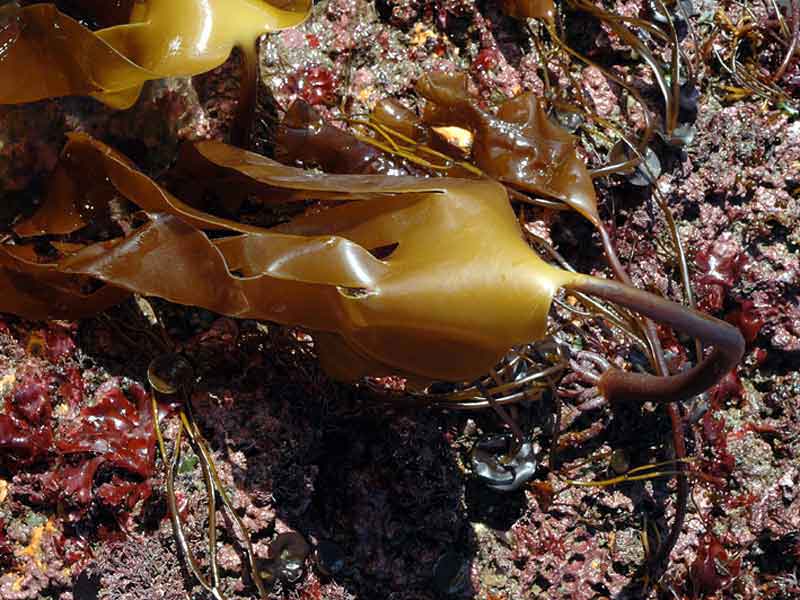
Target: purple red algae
{"x": 381, "y": 493}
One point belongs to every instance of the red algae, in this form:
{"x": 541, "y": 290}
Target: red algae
{"x": 73, "y": 484}
{"x": 719, "y": 267}
{"x": 115, "y": 433}
{"x": 713, "y": 569}
{"x": 748, "y": 318}
{"x": 722, "y": 463}
{"x": 71, "y": 389}
{"x": 728, "y": 388}
{"x": 314, "y": 84}
{"x": 721, "y": 262}
{"x": 116, "y": 429}
{"x": 25, "y": 431}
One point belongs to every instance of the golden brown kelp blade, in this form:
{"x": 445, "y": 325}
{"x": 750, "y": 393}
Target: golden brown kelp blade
{"x": 398, "y": 145}
{"x": 215, "y": 165}
{"x": 396, "y": 117}
{"x": 58, "y": 213}
{"x": 40, "y": 291}
{"x": 47, "y": 54}
{"x": 305, "y": 139}
{"x": 458, "y": 288}
{"x": 99, "y": 13}
{"x": 519, "y": 146}
{"x": 446, "y": 304}
{"x": 530, "y": 9}
{"x": 522, "y": 148}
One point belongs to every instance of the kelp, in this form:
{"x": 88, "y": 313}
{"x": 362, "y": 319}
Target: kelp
{"x": 97, "y": 14}
{"x": 744, "y": 49}
{"x": 429, "y": 279}
{"x": 325, "y": 278}
{"x": 670, "y": 88}
{"x": 389, "y": 113}
{"x": 529, "y": 9}
{"x": 393, "y": 278}
{"x": 47, "y": 54}
{"x": 456, "y": 285}
{"x": 519, "y": 146}
{"x": 40, "y": 293}
{"x": 522, "y": 148}
{"x": 304, "y": 138}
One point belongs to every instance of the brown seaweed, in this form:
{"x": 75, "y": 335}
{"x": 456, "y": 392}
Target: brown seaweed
{"x": 397, "y": 148}
{"x": 98, "y": 13}
{"x": 41, "y": 291}
{"x": 47, "y": 54}
{"x": 458, "y": 287}
{"x": 305, "y": 139}
{"x": 519, "y": 146}
{"x": 530, "y": 9}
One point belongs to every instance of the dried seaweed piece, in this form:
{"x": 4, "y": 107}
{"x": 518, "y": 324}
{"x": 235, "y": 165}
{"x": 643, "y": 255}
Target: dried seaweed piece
{"x": 47, "y": 54}
{"x": 519, "y": 146}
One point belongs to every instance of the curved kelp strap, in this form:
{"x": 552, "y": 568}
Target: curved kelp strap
{"x": 725, "y": 339}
